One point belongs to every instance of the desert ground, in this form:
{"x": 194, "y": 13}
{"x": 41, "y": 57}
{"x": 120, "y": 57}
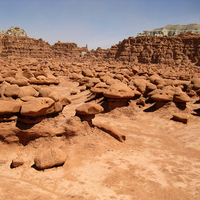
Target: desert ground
{"x": 160, "y": 158}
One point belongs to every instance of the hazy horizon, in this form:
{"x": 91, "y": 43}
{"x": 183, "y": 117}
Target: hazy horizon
{"x": 100, "y": 23}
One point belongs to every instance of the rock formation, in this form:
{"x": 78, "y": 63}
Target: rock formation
{"x": 129, "y": 113}
{"x": 14, "y": 31}
{"x": 172, "y": 30}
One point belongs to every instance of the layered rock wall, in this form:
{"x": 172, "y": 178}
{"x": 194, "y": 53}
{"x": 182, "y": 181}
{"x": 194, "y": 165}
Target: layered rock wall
{"x": 19, "y": 46}
{"x": 170, "y": 50}
{"x": 181, "y": 49}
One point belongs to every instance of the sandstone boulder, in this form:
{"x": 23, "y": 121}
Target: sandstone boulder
{"x": 44, "y": 92}
{"x": 119, "y": 90}
{"x": 27, "y": 91}
{"x": 12, "y": 91}
{"x": 75, "y": 76}
{"x": 17, "y": 162}
{"x": 37, "y": 107}
{"x": 180, "y": 96}
{"x": 163, "y": 95}
{"x": 9, "y": 107}
{"x": 99, "y": 88}
{"x": 87, "y": 112}
{"x": 181, "y": 117}
{"x": 87, "y": 72}
{"x": 196, "y": 83}
{"x": 20, "y": 81}
{"x": 50, "y": 158}
{"x": 113, "y": 131}
{"x": 140, "y": 85}
{"x": 89, "y": 109}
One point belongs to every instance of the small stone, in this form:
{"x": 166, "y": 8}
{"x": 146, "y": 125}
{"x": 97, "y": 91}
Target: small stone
{"x": 17, "y": 162}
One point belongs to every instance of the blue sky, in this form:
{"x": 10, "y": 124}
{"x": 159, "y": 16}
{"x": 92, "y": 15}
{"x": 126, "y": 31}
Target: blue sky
{"x": 94, "y": 22}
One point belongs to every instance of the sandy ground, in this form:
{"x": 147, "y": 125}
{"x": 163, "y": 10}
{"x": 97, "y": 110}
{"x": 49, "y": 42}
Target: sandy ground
{"x": 160, "y": 160}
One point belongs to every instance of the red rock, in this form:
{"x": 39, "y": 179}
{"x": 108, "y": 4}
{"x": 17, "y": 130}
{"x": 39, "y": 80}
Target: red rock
{"x": 27, "y": 91}
{"x": 9, "y": 107}
{"x": 37, "y": 107}
{"x": 119, "y": 90}
{"x": 50, "y": 158}
{"x": 180, "y": 96}
{"x": 12, "y": 91}
{"x": 99, "y": 88}
{"x": 87, "y": 72}
{"x": 89, "y": 109}
{"x": 111, "y": 130}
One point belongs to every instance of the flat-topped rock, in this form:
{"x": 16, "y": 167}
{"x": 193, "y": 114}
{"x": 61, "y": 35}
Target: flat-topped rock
{"x": 119, "y": 90}
{"x": 9, "y": 107}
{"x": 37, "y": 106}
{"x": 89, "y": 109}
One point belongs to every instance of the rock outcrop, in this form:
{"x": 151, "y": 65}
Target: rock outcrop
{"x": 170, "y": 50}
{"x": 14, "y": 31}
{"x": 172, "y": 30}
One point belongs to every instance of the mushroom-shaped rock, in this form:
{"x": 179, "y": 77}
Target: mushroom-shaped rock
{"x": 50, "y": 158}
{"x": 37, "y": 107}
{"x": 163, "y": 95}
{"x": 118, "y": 95}
{"x": 87, "y": 111}
{"x": 180, "y": 96}
{"x": 119, "y": 90}
{"x": 99, "y": 88}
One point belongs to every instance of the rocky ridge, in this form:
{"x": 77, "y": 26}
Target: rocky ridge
{"x": 172, "y": 30}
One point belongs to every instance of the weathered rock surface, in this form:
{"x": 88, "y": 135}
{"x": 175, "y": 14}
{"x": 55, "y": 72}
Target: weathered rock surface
{"x": 89, "y": 109}
{"x": 37, "y": 107}
{"x": 50, "y": 158}
{"x": 111, "y": 130}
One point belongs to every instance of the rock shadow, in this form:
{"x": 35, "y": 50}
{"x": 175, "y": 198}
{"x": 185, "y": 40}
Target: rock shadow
{"x": 197, "y": 112}
{"x": 38, "y": 169}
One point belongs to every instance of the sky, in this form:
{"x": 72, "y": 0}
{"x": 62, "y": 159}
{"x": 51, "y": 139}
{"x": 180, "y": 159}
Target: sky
{"x": 97, "y": 23}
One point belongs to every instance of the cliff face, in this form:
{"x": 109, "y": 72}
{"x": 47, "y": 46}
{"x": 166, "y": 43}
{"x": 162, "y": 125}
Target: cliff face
{"x": 164, "y": 50}
{"x": 171, "y": 50}
{"x": 26, "y": 47}
{"x": 172, "y": 30}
